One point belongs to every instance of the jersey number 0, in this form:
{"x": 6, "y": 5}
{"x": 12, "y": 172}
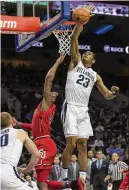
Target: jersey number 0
{"x": 4, "y": 140}
{"x": 84, "y": 81}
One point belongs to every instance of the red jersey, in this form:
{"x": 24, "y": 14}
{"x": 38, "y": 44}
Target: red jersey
{"x": 41, "y": 122}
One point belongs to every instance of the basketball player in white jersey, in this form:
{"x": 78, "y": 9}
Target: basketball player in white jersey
{"x": 12, "y": 141}
{"x": 80, "y": 81}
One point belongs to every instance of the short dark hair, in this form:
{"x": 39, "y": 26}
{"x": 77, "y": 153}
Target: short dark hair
{"x": 99, "y": 150}
{"x": 90, "y": 151}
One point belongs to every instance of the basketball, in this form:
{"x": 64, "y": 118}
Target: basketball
{"x": 80, "y": 15}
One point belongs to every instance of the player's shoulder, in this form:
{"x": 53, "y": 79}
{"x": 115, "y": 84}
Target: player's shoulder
{"x": 98, "y": 78}
{"x": 51, "y": 109}
{"x": 22, "y": 135}
{"x": 48, "y": 111}
{"x": 21, "y": 132}
{"x": 93, "y": 71}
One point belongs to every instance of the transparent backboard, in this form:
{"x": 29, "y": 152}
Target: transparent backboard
{"x": 57, "y": 17}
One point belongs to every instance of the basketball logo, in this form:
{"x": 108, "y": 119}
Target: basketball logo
{"x": 42, "y": 153}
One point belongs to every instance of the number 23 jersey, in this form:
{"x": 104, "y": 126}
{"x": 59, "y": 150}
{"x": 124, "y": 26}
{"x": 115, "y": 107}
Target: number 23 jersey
{"x": 79, "y": 84}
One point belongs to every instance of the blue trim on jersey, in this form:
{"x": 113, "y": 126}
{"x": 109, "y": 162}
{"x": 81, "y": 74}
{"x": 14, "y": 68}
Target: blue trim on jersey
{"x": 18, "y": 176}
{"x": 63, "y": 112}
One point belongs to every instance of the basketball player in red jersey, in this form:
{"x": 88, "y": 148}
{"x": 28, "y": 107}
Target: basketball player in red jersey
{"x": 41, "y": 127}
{"x": 125, "y": 183}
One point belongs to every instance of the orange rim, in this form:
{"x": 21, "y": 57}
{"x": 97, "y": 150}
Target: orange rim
{"x": 61, "y": 31}
{"x": 65, "y": 24}
{"x": 69, "y": 23}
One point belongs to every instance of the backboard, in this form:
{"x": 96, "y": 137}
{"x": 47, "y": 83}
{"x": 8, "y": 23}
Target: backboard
{"x": 25, "y": 41}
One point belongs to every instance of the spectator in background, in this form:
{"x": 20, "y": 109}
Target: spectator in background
{"x": 11, "y": 103}
{"x": 113, "y": 140}
{"x": 73, "y": 169}
{"x": 98, "y": 143}
{"x": 119, "y": 138}
{"x": 99, "y": 130}
{"x": 56, "y": 170}
{"x": 126, "y": 156}
{"x": 110, "y": 149}
{"x": 30, "y": 115}
{"x": 59, "y": 154}
{"x": 38, "y": 95}
{"x": 99, "y": 173}
{"x": 89, "y": 162}
{"x": 31, "y": 183}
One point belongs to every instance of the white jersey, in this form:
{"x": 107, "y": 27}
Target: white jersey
{"x": 11, "y": 147}
{"x": 79, "y": 84}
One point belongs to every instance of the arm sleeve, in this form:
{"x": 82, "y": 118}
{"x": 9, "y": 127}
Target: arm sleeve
{"x": 124, "y": 166}
{"x": 26, "y": 126}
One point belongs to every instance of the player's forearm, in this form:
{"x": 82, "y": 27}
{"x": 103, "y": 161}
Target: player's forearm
{"x": 32, "y": 163}
{"x": 51, "y": 73}
{"x": 76, "y": 32}
{"x": 109, "y": 95}
{"x": 74, "y": 43}
{"x": 74, "y": 39}
{"x": 25, "y": 126}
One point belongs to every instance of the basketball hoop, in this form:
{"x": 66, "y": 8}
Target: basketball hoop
{"x": 63, "y": 35}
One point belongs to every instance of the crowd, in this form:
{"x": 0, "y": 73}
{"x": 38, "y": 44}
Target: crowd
{"x": 111, "y": 131}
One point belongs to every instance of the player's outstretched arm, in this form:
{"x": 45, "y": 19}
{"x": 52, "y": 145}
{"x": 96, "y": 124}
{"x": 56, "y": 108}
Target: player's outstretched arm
{"x": 74, "y": 49}
{"x": 31, "y": 147}
{"x": 108, "y": 94}
{"x": 47, "y": 102}
{"x": 25, "y": 126}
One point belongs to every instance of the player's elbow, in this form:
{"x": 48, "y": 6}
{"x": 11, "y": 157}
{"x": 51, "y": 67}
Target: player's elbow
{"x": 49, "y": 78}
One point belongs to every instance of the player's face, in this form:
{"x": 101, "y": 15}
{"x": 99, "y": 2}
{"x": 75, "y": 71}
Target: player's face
{"x": 115, "y": 157}
{"x": 54, "y": 96}
{"x": 88, "y": 57}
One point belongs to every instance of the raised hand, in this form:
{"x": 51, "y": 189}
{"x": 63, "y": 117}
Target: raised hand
{"x": 115, "y": 90}
{"x": 88, "y": 9}
{"x": 15, "y": 122}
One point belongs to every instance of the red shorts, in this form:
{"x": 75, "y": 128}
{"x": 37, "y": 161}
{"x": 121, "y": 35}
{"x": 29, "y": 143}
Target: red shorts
{"x": 48, "y": 150}
{"x": 42, "y": 175}
{"x": 125, "y": 182}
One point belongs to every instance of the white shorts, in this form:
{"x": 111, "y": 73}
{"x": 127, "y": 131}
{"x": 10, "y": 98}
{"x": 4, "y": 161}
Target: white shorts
{"x": 76, "y": 121}
{"x": 11, "y": 180}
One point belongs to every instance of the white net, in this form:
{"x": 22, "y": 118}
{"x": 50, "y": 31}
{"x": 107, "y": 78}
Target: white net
{"x": 63, "y": 35}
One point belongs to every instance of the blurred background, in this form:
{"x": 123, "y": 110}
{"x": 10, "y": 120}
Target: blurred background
{"x": 22, "y": 74}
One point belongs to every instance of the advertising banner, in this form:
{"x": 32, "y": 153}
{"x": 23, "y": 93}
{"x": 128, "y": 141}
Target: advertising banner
{"x": 16, "y": 24}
